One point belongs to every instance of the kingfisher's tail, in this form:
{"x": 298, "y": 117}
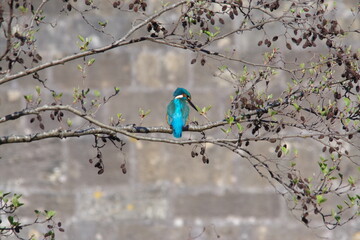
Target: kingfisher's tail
{"x": 177, "y": 127}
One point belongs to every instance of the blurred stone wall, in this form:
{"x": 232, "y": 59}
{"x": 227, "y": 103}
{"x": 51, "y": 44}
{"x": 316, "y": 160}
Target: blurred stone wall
{"x": 165, "y": 194}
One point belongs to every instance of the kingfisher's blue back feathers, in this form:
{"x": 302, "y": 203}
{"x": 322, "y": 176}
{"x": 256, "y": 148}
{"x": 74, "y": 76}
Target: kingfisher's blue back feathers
{"x": 178, "y": 111}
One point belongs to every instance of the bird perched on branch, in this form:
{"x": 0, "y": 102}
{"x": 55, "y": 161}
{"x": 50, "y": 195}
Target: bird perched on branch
{"x": 178, "y": 110}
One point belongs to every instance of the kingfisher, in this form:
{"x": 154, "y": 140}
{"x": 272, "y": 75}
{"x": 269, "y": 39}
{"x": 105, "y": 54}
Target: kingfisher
{"x": 178, "y": 111}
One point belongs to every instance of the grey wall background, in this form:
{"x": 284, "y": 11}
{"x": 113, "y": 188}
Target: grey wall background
{"x": 166, "y": 194}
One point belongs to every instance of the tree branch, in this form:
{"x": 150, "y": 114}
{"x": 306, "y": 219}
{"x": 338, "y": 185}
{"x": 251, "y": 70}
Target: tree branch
{"x": 118, "y": 43}
{"x": 128, "y": 129}
{"x": 131, "y": 130}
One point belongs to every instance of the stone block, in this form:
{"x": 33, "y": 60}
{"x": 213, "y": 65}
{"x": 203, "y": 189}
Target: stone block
{"x": 148, "y": 69}
{"x": 124, "y": 230}
{"x": 89, "y": 229}
{"x": 243, "y": 205}
{"x": 149, "y": 231}
{"x": 287, "y": 230}
{"x": 41, "y": 164}
{"x": 246, "y": 176}
{"x": 110, "y": 70}
{"x": 174, "y": 164}
{"x": 151, "y": 163}
{"x": 229, "y": 229}
{"x": 174, "y": 68}
{"x": 123, "y": 204}
{"x": 64, "y": 204}
{"x": 235, "y": 228}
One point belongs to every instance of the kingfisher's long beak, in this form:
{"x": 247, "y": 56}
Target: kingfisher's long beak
{"x": 191, "y": 104}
